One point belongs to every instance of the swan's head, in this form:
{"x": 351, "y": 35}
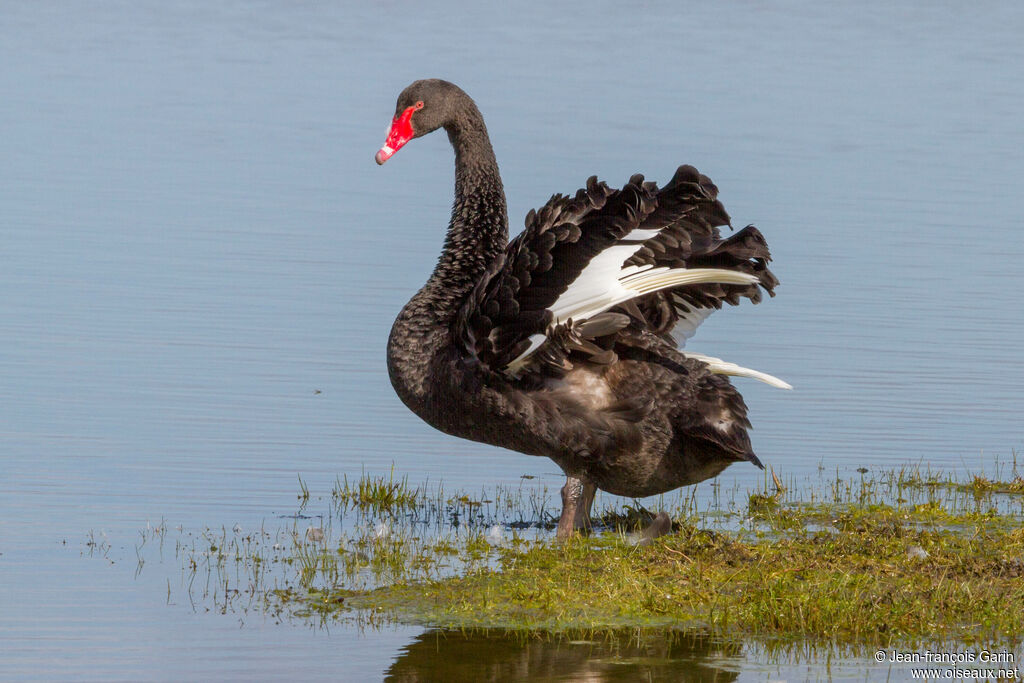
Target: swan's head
{"x": 422, "y": 108}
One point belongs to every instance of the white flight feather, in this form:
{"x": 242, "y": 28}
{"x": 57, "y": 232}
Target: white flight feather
{"x": 604, "y": 283}
{"x": 587, "y": 295}
{"x": 535, "y": 341}
{"x": 688, "y": 323}
{"x": 721, "y": 367}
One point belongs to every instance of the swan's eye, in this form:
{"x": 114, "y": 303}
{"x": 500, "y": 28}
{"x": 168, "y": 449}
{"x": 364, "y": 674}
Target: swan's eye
{"x": 419, "y": 105}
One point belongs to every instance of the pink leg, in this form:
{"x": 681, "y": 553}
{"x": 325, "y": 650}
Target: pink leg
{"x": 577, "y": 499}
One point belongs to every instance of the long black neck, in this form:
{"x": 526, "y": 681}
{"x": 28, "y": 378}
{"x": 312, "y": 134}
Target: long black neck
{"x": 478, "y": 232}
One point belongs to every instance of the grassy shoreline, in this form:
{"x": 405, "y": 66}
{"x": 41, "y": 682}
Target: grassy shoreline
{"x": 877, "y": 580}
{"x": 897, "y": 557}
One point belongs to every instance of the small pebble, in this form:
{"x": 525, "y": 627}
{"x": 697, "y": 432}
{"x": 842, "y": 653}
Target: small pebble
{"x": 916, "y": 552}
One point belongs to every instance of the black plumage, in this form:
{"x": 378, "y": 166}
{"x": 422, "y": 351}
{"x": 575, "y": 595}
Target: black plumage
{"x": 609, "y": 397}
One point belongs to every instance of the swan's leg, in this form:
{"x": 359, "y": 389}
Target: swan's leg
{"x": 577, "y": 497}
{"x": 571, "y": 494}
{"x": 582, "y": 518}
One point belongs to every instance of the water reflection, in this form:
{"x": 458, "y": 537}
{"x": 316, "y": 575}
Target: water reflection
{"x": 627, "y": 655}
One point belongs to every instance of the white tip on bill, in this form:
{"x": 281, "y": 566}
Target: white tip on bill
{"x": 383, "y": 155}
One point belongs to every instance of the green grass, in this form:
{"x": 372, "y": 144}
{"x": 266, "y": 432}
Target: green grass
{"x": 857, "y": 583}
{"x": 378, "y": 494}
{"x": 855, "y": 560}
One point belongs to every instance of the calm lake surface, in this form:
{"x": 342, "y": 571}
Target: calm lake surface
{"x": 201, "y": 263}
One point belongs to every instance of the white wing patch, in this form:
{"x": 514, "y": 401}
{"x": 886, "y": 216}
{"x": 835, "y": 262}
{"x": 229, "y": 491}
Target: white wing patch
{"x": 688, "y": 323}
{"x": 605, "y": 283}
{"x": 597, "y": 282}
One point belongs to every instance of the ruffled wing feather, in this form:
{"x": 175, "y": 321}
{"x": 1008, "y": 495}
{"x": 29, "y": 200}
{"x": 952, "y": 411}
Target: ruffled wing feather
{"x": 588, "y": 266}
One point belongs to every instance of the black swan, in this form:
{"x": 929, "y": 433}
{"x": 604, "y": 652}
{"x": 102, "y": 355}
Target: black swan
{"x": 560, "y": 342}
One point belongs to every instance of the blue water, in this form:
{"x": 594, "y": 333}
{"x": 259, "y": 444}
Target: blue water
{"x": 201, "y": 262}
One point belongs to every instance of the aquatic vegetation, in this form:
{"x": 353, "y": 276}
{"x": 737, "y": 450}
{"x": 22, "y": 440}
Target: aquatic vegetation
{"x": 864, "y": 559}
{"x": 856, "y": 582}
{"x": 378, "y": 494}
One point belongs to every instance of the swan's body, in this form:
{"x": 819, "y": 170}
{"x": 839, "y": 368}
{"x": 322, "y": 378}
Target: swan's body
{"x": 558, "y": 344}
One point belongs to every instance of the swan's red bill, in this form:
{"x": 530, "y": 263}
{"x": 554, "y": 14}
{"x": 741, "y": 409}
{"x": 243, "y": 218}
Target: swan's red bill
{"x": 400, "y": 133}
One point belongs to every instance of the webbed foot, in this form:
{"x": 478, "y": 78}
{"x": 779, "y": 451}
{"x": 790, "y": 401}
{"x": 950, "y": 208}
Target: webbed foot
{"x": 661, "y": 525}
